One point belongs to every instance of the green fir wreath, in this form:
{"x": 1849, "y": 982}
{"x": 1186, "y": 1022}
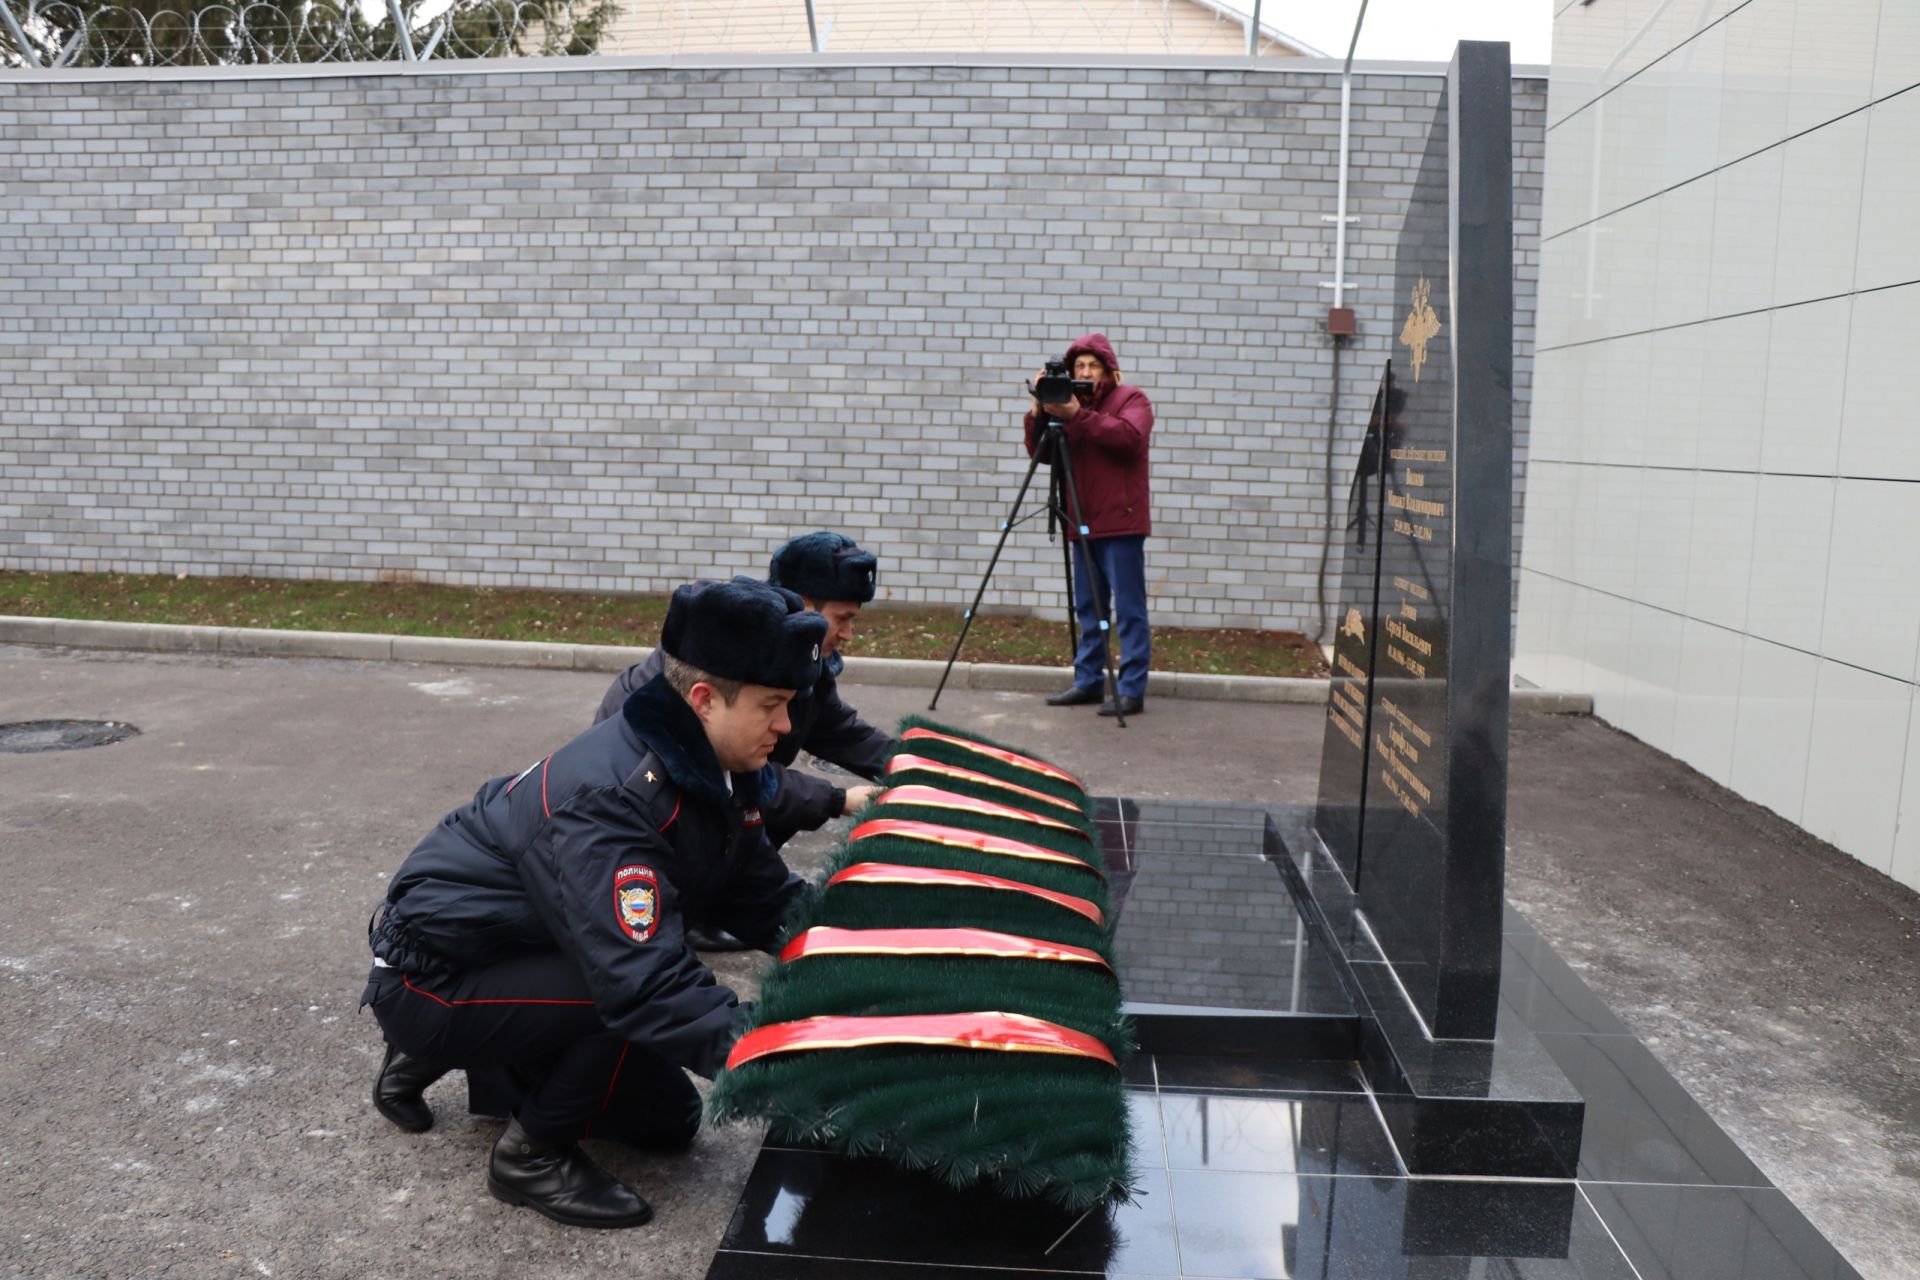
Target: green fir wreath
{"x": 1031, "y": 1124}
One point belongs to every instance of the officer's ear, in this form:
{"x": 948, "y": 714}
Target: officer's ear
{"x": 701, "y": 698}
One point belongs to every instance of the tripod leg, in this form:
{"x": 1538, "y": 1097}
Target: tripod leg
{"x": 1066, "y": 567}
{"x": 1096, "y": 584}
{"x": 966, "y": 623}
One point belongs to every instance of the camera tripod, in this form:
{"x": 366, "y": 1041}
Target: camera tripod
{"x": 1062, "y": 508}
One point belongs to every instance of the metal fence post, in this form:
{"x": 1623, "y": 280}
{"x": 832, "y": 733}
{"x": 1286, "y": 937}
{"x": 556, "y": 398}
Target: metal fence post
{"x": 400, "y": 26}
{"x": 27, "y": 50}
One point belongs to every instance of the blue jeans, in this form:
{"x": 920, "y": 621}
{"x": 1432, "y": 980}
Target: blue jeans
{"x": 1122, "y": 563}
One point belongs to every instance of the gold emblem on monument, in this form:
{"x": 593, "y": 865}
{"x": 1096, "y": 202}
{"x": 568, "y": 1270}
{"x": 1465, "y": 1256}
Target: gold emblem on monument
{"x": 1422, "y": 325}
{"x": 1353, "y": 626}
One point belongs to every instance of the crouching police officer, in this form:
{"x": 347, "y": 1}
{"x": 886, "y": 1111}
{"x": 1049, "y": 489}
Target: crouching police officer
{"x": 835, "y": 577}
{"x": 535, "y": 937}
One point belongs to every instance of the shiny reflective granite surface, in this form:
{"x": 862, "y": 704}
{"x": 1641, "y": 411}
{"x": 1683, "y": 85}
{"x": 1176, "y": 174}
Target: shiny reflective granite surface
{"x": 1283, "y": 1169}
{"x": 1203, "y": 917}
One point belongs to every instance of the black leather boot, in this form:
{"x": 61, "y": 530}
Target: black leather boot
{"x": 713, "y": 938}
{"x": 561, "y": 1181}
{"x": 397, "y": 1090}
{"x": 1077, "y": 696}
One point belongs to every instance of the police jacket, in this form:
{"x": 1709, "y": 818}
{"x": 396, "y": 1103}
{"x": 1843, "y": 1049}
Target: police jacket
{"x": 600, "y": 851}
{"x": 822, "y": 724}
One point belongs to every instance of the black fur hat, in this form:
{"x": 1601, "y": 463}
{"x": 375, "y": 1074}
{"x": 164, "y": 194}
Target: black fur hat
{"x": 826, "y": 566}
{"x": 745, "y": 630}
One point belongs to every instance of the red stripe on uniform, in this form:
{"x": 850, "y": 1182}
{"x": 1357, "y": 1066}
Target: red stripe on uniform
{"x": 407, "y": 978}
{"x": 608, "y": 1100}
{"x": 543, "y": 786}
{"x": 676, "y": 812}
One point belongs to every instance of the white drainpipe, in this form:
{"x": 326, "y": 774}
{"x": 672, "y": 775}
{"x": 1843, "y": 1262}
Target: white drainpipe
{"x": 1340, "y": 210}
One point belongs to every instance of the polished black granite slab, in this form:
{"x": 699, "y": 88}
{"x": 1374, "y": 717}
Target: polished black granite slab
{"x": 1289, "y": 1170}
{"x": 1715, "y": 1233}
{"x": 1254, "y": 1185}
{"x": 1498, "y": 1107}
{"x": 1309, "y": 1133}
{"x": 1413, "y": 786}
{"x": 1275, "y": 1167}
{"x": 1544, "y": 993}
{"x": 1233, "y": 1075}
{"x": 1213, "y": 954}
{"x": 1642, "y": 1125}
{"x": 1344, "y": 753}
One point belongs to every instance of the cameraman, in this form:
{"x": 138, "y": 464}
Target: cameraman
{"x": 1107, "y": 447}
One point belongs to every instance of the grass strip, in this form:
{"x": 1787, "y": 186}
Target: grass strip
{"x": 429, "y": 609}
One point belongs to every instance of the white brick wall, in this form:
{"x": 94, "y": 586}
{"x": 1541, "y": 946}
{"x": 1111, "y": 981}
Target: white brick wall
{"x": 611, "y": 327}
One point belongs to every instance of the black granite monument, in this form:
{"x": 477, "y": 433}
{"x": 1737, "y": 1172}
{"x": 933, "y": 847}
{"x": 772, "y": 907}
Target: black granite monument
{"x": 1419, "y": 699}
{"x": 1404, "y": 867}
{"x": 1343, "y": 756}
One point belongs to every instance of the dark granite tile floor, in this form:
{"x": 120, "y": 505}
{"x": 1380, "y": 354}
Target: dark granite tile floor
{"x": 1715, "y": 1233}
{"x": 1642, "y": 1125}
{"x": 1268, "y": 1169}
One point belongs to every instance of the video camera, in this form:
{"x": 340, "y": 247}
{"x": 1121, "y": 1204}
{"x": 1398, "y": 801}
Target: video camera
{"x": 1058, "y": 384}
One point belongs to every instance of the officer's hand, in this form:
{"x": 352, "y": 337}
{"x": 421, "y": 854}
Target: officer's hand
{"x": 737, "y": 1028}
{"x": 857, "y": 798}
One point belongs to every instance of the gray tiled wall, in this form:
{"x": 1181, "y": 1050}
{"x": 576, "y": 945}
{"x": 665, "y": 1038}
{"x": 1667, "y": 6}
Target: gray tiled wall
{"x": 607, "y": 328}
{"x": 1726, "y": 478}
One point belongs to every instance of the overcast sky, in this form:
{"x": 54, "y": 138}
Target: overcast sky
{"x": 1423, "y": 30}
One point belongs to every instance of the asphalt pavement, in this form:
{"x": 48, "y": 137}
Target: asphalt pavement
{"x": 184, "y": 1074}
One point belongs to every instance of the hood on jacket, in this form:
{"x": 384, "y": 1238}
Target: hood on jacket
{"x": 1096, "y": 345}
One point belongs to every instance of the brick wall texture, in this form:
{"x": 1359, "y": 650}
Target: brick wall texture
{"x": 611, "y": 327}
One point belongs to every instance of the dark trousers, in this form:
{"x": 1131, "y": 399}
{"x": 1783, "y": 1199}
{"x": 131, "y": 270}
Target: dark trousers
{"x": 1122, "y": 563}
{"x": 527, "y": 1034}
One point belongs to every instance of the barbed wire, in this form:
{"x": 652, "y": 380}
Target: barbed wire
{"x": 175, "y": 33}
{"x": 168, "y": 33}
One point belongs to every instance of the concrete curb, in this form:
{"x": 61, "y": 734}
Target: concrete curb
{"x": 153, "y": 637}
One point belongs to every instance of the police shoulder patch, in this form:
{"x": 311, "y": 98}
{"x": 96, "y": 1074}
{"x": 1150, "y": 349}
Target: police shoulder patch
{"x": 636, "y": 900}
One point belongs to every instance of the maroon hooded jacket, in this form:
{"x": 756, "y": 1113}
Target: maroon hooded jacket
{"x": 1107, "y": 442}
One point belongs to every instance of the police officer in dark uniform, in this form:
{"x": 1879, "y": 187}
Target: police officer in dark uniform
{"x": 835, "y": 576}
{"x": 536, "y": 936}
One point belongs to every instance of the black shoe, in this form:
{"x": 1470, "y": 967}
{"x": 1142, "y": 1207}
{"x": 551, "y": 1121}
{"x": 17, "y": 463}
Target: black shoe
{"x": 561, "y": 1181}
{"x": 1128, "y": 707}
{"x": 397, "y": 1090}
{"x": 701, "y": 938}
{"x": 1075, "y": 697}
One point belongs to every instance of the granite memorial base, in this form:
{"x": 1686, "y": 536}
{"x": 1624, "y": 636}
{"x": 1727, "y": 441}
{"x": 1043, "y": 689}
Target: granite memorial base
{"x": 1262, "y": 1160}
